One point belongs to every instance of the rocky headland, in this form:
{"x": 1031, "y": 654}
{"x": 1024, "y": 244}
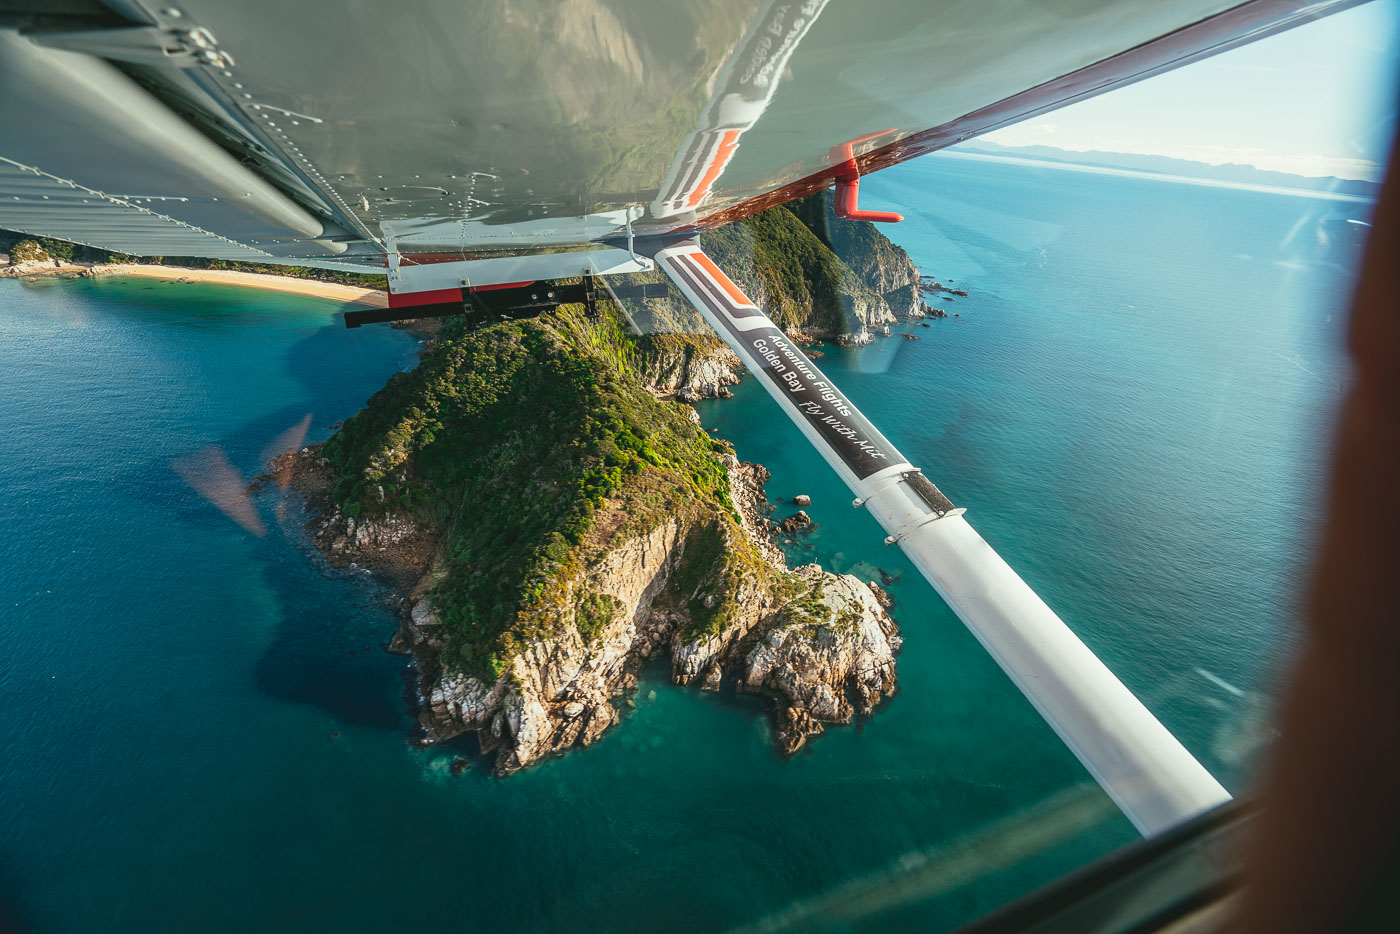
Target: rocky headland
{"x": 820, "y": 278}
{"x": 554, "y": 519}
{"x": 554, "y": 524}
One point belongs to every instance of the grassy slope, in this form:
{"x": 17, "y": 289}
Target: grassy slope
{"x": 534, "y": 445}
{"x": 808, "y": 263}
{"x": 860, "y": 244}
{"x": 773, "y": 253}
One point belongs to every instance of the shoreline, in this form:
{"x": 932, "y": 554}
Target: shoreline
{"x": 350, "y": 294}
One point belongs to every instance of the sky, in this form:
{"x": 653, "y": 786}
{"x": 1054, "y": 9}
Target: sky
{"x": 1315, "y": 100}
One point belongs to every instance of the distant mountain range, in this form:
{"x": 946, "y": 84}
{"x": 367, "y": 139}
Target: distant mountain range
{"x": 1166, "y": 165}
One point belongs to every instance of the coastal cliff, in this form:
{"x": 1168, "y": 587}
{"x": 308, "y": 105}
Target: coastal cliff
{"x": 556, "y": 525}
{"x": 817, "y": 275}
{"x": 688, "y": 367}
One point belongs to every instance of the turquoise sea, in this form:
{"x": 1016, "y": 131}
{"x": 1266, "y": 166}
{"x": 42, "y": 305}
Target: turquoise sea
{"x": 200, "y": 730}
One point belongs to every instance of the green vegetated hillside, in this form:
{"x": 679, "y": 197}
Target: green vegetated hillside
{"x": 813, "y": 271}
{"x": 879, "y": 264}
{"x": 533, "y": 445}
{"x": 810, "y": 270}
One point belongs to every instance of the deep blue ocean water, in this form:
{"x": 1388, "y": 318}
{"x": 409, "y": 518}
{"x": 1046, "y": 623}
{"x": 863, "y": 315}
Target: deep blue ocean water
{"x": 200, "y": 730}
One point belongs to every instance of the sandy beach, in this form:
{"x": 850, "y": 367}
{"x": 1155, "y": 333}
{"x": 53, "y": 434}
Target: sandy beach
{"x": 374, "y": 298}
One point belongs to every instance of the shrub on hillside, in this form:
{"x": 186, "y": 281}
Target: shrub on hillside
{"x": 27, "y": 251}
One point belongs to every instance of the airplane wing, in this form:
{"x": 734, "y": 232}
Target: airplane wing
{"x": 359, "y": 134}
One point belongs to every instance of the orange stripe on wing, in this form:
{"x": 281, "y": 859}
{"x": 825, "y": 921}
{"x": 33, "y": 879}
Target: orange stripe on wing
{"x": 727, "y": 144}
{"x": 715, "y": 273}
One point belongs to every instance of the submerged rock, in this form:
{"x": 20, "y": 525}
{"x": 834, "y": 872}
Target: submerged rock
{"x": 796, "y": 522}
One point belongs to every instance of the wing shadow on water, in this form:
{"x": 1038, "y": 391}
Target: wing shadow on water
{"x": 331, "y": 626}
{"x": 12, "y": 916}
{"x": 328, "y": 648}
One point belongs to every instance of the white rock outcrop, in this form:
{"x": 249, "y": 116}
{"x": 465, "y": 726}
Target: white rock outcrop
{"x": 691, "y": 371}
{"x": 816, "y": 663}
{"x": 824, "y": 663}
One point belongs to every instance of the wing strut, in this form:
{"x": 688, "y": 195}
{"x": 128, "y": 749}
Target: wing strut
{"x": 1143, "y": 768}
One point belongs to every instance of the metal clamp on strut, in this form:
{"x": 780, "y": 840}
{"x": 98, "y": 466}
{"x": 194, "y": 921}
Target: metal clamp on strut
{"x": 860, "y": 501}
{"x": 921, "y": 522}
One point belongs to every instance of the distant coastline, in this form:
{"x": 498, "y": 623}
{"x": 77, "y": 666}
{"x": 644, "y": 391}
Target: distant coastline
{"x": 1230, "y": 175}
{"x": 375, "y": 298}
{"x": 1153, "y": 175}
